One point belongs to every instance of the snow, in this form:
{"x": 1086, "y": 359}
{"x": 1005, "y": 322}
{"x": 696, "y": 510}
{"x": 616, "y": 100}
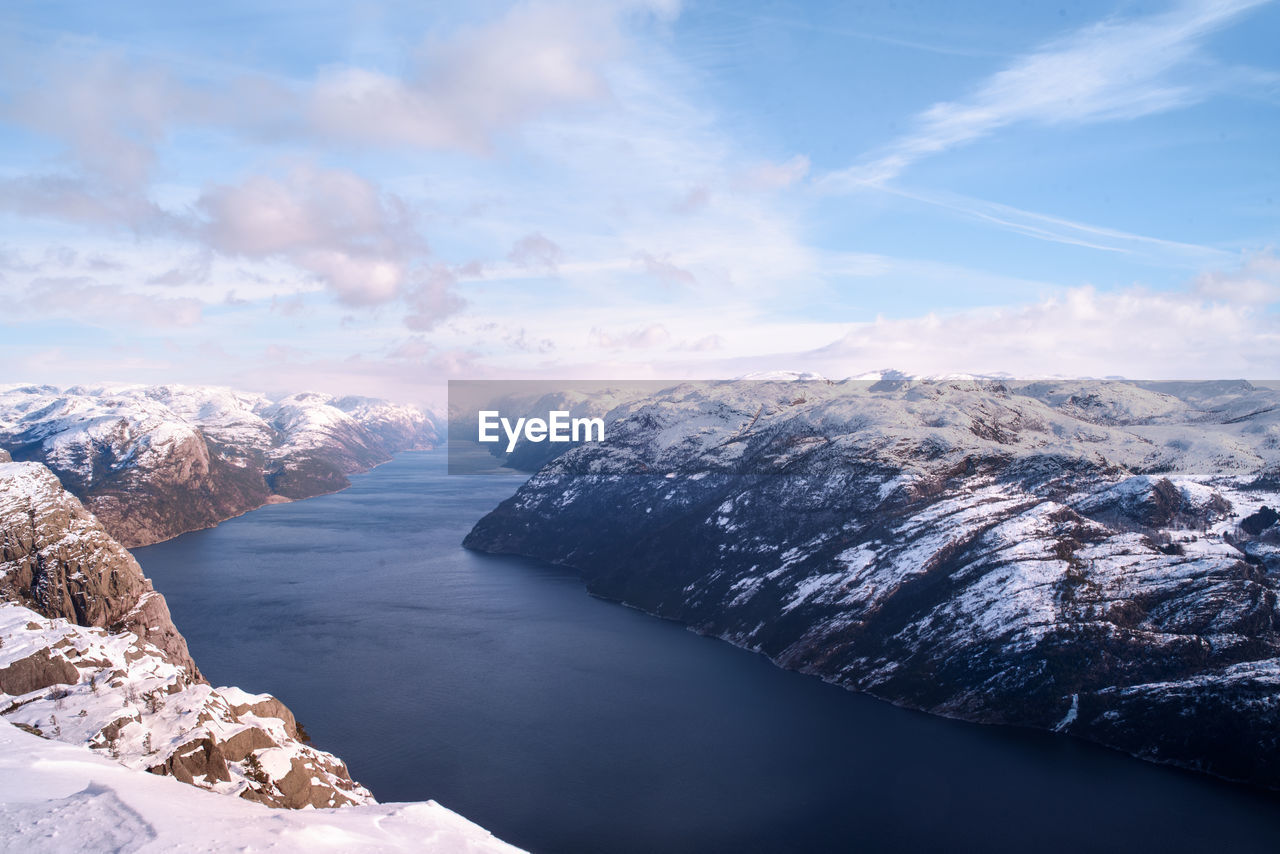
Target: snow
{"x": 1117, "y": 423}
{"x": 1072, "y": 713}
{"x": 77, "y": 429}
{"x": 58, "y": 797}
{"x": 120, "y": 678}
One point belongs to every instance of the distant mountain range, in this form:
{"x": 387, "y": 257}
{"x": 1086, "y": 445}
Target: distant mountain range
{"x": 152, "y": 462}
{"x": 1095, "y": 557}
{"x": 90, "y": 657}
{"x": 1098, "y": 558}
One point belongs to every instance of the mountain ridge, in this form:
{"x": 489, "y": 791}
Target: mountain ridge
{"x": 90, "y": 655}
{"x": 1062, "y": 555}
{"x": 153, "y": 462}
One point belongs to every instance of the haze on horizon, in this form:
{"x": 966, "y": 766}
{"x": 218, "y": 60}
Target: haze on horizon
{"x": 378, "y": 197}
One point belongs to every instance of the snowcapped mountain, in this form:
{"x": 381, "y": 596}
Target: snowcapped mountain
{"x": 1095, "y": 557}
{"x": 152, "y": 462}
{"x": 99, "y": 688}
{"x": 90, "y": 656}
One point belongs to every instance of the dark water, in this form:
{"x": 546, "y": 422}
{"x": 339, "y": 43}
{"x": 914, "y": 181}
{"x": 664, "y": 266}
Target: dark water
{"x": 564, "y": 723}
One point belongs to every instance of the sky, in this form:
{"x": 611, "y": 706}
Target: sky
{"x": 377, "y": 197}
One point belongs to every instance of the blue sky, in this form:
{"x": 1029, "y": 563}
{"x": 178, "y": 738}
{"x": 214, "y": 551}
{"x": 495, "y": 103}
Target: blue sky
{"x": 381, "y": 196}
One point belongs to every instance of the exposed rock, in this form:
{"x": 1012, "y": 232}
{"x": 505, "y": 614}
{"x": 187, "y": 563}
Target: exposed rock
{"x": 122, "y": 695}
{"x": 1056, "y": 556}
{"x": 152, "y": 462}
{"x": 268, "y": 707}
{"x": 36, "y": 672}
{"x": 122, "y": 677}
{"x": 238, "y": 747}
{"x": 200, "y": 758}
{"x": 56, "y": 559}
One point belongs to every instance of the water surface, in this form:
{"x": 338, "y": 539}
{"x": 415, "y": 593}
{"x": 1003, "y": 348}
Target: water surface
{"x": 564, "y": 723}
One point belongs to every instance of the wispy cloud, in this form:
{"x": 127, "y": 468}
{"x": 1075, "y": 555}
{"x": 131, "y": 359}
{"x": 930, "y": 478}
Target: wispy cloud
{"x": 1116, "y": 69}
{"x": 83, "y": 299}
{"x": 865, "y": 35}
{"x": 1058, "y": 229}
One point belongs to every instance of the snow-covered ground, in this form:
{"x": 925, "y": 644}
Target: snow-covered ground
{"x": 58, "y": 798}
{"x": 117, "y": 694}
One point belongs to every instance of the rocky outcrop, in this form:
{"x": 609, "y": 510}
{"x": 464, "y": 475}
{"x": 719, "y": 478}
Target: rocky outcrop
{"x": 59, "y": 797}
{"x": 58, "y": 560}
{"x": 37, "y": 671}
{"x": 152, "y": 462}
{"x": 1069, "y": 558}
{"x": 89, "y": 655}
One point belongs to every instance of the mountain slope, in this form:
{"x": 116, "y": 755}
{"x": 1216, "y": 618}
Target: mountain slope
{"x": 1064, "y": 556}
{"x": 152, "y": 462}
{"x": 89, "y": 655}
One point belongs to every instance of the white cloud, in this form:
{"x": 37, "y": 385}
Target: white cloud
{"x": 110, "y": 112}
{"x": 1116, "y": 69}
{"x": 1080, "y": 332}
{"x": 358, "y": 240}
{"x": 1257, "y": 282}
{"x": 536, "y": 57}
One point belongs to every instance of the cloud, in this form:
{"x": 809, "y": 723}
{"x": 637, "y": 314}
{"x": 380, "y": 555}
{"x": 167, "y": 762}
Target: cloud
{"x": 665, "y": 271}
{"x": 357, "y": 240}
{"x": 430, "y": 298}
{"x": 80, "y": 199}
{"x": 774, "y": 176}
{"x": 702, "y": 345}
{"x": 534, "y": 58}
{"x": 1057, "y": 229}
{"x": 415, "y": 347}
{"x": 1116, "y": 69}
{"x": 112, "y": 110}
{"x": 521, "y": 340}
{"x": 83, "y": 299}
{"x": 291, "y": 306}
{"x": 110, "y": 113}
{"x": 693, "y": 201}
{"x": 62, "y": 256}
{"x": 536, "y": 252}
{"x": 648, "y": 337}
{"x": 1206, "y": 330}
{"x": 1257, "y": 282}
{"x": 193, "y": 270}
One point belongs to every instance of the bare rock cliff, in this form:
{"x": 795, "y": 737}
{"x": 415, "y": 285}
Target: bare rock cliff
{"x": 89, "y": 655}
